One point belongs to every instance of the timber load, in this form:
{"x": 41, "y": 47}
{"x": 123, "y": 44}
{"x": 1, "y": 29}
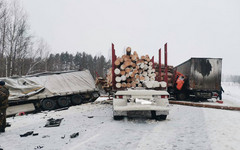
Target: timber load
{"x": 132, "y": 70}
{"x": 170, "y": 74}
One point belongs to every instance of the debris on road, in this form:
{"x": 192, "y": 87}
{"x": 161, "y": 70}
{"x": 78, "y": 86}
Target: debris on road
{"x": 26, "y": 134}
{"x": 63, "y": 137}
{"x": 45, "y": 136}
{"x": 35, "y": 134}
{"x": 74, "y": 135}
{"x": 38, "y": 147}
{"x": 53, "y": 122}
{"x": 90, "y": 116}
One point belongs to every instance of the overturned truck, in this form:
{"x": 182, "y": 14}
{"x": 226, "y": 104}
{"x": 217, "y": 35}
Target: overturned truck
{"x": 52, "y": 90}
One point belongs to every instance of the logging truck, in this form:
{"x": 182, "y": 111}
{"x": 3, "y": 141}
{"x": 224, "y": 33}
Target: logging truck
{"x": 133, "y": 80}
{"x": 50, "y": 90}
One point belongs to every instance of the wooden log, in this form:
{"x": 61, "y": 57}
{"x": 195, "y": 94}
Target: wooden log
{"x": 147, "y": 78}
{"x": 133, "y": 84}
{"x": 129, "y": 80}
{"x": 118, "y": 85}
{"x": 134, "y": 58}
{"x": 118, "y": 79}
{"x": 140, "y": 71}
{"x": 117, "y": 71}
{"x": 122, "y": 67}
{"x": 123, "y": 78}
{"x": 127, "y": 70}
{"x": 139, "y": 85}
{"x": 152, "y": 79}
{"x": 117, "y": 62}
{"x": 126, "y": 58}
{"x": 121, "y": 60}
{"x": 129, "y": 85}
{"x": 133, "y": 64}
{"x": 145, "y": 67}
{"x": 128, "y": 63}
{"x": 135, "y": 71}
{"x": 132, "y": 75}
{"x": 144, "y": 73}
{"x": 137, "y": 76}
{"x": 142, "y": 65}
{"x": 204, "y": 105}
{"x": 142, "y": 78}
{"x": 128, "y": 51}
{"x": 150, "y": 63}
{"x": 133, "y": 79}
{"x": 124, "y": 84}
{"x": 122, "y": 72}
{"x": 143, "y": 57}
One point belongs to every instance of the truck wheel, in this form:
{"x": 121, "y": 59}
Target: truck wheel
{"x": 63, "y": 101}
{"x": 153, "y": 113}
{"x": 163, "y": 117}
{"x": 49, "y": 104}
{"x": 118, "y": 117}
{"x": 181, "y": 96}
{"x": 76, "y": 99}
{"x": 160, "y": 117}
{"x": 95, "y": 95}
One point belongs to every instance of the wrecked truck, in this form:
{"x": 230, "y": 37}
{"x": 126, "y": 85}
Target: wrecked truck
{"x": 197, "y": 78}
{"x": 51, "y": 90}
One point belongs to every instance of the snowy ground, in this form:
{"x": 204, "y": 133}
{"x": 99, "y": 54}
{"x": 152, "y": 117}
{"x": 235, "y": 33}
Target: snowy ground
{"x": 185, "y": 128}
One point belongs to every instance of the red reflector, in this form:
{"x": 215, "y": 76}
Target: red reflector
{"x": 164, "y": 96}
{"x": 118, "y": 96}
{"x": 215, "y": 94}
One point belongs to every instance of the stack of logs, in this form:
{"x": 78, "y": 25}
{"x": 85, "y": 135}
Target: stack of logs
{"x": 132, "y": 70}
{"x": 170, "y": 72}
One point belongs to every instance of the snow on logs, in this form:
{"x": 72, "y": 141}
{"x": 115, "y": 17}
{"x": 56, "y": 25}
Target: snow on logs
{"x": 134, "y": 71}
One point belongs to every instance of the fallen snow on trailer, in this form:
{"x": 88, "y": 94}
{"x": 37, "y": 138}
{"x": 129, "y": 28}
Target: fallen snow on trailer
{"x": 91, "y": 126}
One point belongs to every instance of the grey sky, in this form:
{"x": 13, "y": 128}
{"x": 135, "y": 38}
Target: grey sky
{"x": 192, "y": 28}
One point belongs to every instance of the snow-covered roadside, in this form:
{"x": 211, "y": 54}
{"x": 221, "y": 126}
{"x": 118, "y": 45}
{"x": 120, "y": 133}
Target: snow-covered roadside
{"x": 231, "y": 95}
{"x": 185, "y": 128}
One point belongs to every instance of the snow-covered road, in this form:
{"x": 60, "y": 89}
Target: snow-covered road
{"x": 185, "y": 128}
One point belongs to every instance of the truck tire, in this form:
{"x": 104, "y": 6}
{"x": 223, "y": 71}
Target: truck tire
{"x": 49, "y": 104}
{"x": 118, "y": 117}
{"x": 182, "y": 96}
{"x": 76, "y": 99}
{"x": 63, "y": 102}
{"x": 160, "y": 117}
{"x": 95, "y": 95}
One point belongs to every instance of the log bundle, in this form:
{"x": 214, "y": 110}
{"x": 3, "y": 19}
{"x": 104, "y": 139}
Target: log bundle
{"x": 170, "y": 72}
{"x": 133, "y": 71}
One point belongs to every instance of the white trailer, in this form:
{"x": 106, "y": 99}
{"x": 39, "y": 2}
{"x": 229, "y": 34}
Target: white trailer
{"x": 141, "y": 100}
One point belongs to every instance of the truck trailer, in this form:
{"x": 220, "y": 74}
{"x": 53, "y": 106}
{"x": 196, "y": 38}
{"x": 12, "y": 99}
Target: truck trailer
{"x": 200, "y": 77}
{"x": 50, "y": 90}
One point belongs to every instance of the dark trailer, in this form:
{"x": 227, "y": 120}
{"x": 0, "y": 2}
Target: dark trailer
{"x": 203, "y": 77}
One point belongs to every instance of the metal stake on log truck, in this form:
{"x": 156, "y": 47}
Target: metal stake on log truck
{"x": 129, "y": 75}
{"x": 50, "y": 90}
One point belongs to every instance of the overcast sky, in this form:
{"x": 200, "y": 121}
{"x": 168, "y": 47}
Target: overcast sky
{"x": 192, "y": 28}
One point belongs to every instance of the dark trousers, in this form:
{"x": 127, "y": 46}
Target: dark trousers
{"x": 2, "y": 120}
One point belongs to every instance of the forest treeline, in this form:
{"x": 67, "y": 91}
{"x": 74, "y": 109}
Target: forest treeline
{"x": 98, "y": 65}
{"x": 22, "y": 53}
